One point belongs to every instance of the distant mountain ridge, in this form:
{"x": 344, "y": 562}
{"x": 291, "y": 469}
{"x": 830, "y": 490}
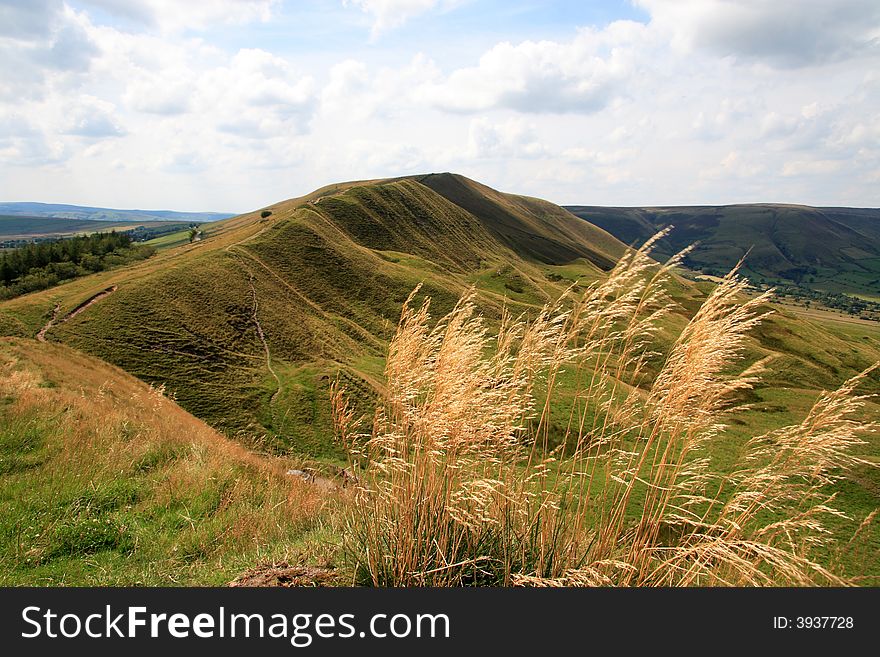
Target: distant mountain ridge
{"x": 834, "y": 249}
{"x": 82, "y": 212}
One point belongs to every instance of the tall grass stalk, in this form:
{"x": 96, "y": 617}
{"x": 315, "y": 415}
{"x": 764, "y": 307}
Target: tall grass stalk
{"x": 464, "y": 486}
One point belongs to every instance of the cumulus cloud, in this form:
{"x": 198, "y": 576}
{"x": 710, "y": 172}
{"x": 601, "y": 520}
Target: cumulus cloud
{"x": 689, "y": 107}
{"x": 736, "y": 165}
{"x": 258, "y": 95}
{"x": 23, "y": 141}
{"x": 357, "y": 92}
{"x": 812, "y": 126}
{"x": 721, "y": 121}
{"x": 583, "y": 75}
{"x": 511, "y": 138}
{"x": 92, "y": 118}
{"x": 27, "y": 20}
{"x": 41, "y": 40}
{"x": 783, "y": 33}
{"x": 167, "y": 94}
{"x": 390, "y": 14}
{"x": 810, "y": 167}
{"x": 173, "y": 15}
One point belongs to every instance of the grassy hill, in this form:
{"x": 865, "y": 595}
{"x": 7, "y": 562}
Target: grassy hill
{"x": 106, "y": 481}
{"x": 247, "y": 328}
{"x": 829, "y": 249}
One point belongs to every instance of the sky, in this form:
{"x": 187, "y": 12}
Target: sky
{"x": 231, "y": 105}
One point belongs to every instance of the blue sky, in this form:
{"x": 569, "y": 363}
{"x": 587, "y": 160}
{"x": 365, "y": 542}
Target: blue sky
{"x": 235, "y": 104}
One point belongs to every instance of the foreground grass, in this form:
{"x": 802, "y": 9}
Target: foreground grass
{"x": 463, "y": 483}
{"x": 104, "y": 481}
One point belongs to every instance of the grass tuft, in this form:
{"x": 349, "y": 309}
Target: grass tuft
{"x": 462, "y": 484}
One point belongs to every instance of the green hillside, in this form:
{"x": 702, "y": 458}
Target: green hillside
{"x": 830, "y": 249}
{"x": 106, "y": 481}
{"x": 248, "y": 327}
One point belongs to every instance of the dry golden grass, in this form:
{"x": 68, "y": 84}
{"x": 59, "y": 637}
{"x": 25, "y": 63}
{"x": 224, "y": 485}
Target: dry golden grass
{"x": 460, "y": 485}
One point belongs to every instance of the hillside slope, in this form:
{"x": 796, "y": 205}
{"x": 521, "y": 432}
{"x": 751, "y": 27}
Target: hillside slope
{"x": 106, "y": 481}
{"x": 248, "y": 327}
{"x": 833, "y": 249}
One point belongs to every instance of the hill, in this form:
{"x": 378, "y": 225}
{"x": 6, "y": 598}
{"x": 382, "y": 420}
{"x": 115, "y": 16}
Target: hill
{"x": 104, "y": 480}
{"x": 248, "y": 327}
{"x": 87, "y": 213}
{"x": 828, "y": 249}
{"x": 14, "y": 229}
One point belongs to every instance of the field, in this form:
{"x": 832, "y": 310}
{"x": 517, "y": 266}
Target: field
{"x": 21, "y": 228}
{"x": 81, "y": 212}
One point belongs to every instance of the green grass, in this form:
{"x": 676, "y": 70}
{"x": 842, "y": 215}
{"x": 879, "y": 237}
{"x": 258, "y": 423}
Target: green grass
{"x": 833, "y": 249}
{"x": 170, "y": 240}
{"x": 329, "y": 278}
{"x": 123, "y": 488}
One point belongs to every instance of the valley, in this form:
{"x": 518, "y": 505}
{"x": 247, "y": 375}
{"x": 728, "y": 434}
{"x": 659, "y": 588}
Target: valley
{"x": 834, "y": 250}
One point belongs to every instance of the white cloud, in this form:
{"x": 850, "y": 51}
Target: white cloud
{"x": 93, "y": 98}
{"x": 354, "y": 92}
{"x": 390, "y": 14}
{"x": 810, "y": 167}
{"x": 257, "y": 96}
{"x": 583, "y": 75}
{"x": 511, "y": 138}
{"x": 721, "y": 121}
{"x": 812, "y": 126}
{"x": 92, "y": 118}
{"x": 27, "y": 20}
{"x": 160, "y": 94}
{"x": 22, "y": 141}
{"x": 785, "y": 33}
{"x": 174, "y": 15}
{"x": 53, "y": 42}
{"x": 736, "y": 165}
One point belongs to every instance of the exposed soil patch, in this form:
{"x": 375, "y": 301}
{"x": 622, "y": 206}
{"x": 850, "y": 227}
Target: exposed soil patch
{"x": 285, "y": 575}
{"x": 95, "y": 298}
{"x": 41, "y": 336}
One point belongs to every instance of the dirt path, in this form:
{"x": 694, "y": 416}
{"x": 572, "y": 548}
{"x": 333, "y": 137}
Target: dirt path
{"x": 248, "y": 238}
{"x": 318, "y": 310}
{"x": 41, "y": 335}
{"x": 262, "y": 337}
